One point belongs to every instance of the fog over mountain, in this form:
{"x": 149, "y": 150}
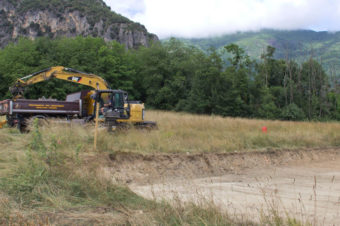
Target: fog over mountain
{"x": 206, "y": 18}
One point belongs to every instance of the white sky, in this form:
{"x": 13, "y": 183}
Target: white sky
{"x": 204, "y": 18}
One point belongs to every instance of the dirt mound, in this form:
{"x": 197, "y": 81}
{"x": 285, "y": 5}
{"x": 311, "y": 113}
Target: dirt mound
{"x": 138, "y": 168}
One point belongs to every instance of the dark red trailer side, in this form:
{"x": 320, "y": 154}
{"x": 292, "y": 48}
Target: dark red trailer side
{"x": 33, "y": 107}
{"x": 18, "y": 111}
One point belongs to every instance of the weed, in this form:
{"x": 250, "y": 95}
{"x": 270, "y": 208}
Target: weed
{"x": 37, "y": 143}
{"x": 5, "y": 208}
{"x": 78, "y": 149}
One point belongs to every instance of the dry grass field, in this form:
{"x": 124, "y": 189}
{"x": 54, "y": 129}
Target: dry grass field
{"x": 52, "y": 175}
{"x": 181, "y": 132}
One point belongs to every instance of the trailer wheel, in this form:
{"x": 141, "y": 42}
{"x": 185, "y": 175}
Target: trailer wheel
{"x": 25, "y": 123}
{"x": 38, "y": 117}
{"x": 22, "y": 124}
{"x": 42, "y": 120}
{"x": 10, "y": 121}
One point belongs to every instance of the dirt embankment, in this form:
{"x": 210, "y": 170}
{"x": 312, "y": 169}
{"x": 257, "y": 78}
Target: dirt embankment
{"x": 301, "y": 184}
{"x": 137, "y": 168}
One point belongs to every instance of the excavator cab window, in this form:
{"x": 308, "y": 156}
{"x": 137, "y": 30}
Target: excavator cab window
{"x": 118, "y": 100}
{"x": 105, "y": 99}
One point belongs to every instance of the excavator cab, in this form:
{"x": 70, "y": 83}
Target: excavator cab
{"x": 112, "y": 105}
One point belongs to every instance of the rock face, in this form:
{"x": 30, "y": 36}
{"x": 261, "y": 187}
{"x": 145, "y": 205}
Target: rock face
{"x": 19, "y": 20}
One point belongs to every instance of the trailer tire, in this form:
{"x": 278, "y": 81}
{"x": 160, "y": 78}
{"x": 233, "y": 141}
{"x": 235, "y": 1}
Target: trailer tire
{"x": 42, "y": 120}
{"x": 10, "y": 121}
{"x": 22, "y": 124}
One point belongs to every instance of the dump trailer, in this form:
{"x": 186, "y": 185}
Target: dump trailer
{"x": 18, "y": 111}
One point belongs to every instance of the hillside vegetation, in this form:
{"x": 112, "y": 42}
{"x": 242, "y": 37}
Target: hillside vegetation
{"x": 173, "y": 76}
{"x": 53, "y": 175}
{"x": 298, "y": 45}
{"x": 93, "y": 9}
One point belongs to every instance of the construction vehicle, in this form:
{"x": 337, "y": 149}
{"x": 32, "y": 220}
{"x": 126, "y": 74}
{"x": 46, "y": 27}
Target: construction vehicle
{"x": 115, "y": 108}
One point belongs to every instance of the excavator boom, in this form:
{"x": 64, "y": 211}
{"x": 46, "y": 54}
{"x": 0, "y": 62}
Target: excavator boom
{"x": 59, "y": 72}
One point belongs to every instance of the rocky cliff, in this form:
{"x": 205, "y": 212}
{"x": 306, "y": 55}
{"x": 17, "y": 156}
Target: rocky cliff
{"x": 55, "y": 18}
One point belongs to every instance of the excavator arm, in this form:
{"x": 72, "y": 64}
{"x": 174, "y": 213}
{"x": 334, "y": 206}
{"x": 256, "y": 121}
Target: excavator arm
{"x": 62, "y": 73}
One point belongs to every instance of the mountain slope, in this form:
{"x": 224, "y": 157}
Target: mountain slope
{"x": 55, "y": 18}
{"x": 298, "y": 45}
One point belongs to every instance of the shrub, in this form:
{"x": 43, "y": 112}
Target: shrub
{"x": 292, "y": 112}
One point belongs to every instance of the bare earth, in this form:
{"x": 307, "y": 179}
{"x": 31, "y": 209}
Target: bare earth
{"x": 304, "y": 184}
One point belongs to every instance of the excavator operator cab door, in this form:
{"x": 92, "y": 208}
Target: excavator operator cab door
{"x": 112, "y": 104}
{"x": 117, "y": 100}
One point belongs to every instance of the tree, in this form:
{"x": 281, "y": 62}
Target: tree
{"x": 239, "y": 74}
{"x": 209, "y": 87}
{"x": 314, "y": 86}
{"x": 164, "y": 73}
{"x": 175, "y": 76}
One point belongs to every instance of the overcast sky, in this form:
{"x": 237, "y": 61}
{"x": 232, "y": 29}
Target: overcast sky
{"x": 204, "y": 18}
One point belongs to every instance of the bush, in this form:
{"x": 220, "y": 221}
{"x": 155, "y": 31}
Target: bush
{"x": 292, "y": 112}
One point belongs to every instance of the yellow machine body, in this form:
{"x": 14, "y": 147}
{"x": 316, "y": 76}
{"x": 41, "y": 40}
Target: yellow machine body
{"x": 63, "y": 73}
{"x": 136, "y": 114}
{"x": 2, "y": 123}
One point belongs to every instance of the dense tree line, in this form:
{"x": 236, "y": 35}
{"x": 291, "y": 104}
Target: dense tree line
{"x": 174, "y": 76}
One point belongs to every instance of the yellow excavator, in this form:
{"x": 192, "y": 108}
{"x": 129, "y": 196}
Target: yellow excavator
{"x": 115, "y": 108}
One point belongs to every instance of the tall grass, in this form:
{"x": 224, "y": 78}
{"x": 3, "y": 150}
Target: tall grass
{"x": 54, "y": 167}
{"x": 54, "y": 175}
{"x": 179, "y": 132}
{"x": 49, "y": 176}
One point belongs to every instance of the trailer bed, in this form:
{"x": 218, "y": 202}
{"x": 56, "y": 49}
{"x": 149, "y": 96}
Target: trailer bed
{"x": 45, "y": 107}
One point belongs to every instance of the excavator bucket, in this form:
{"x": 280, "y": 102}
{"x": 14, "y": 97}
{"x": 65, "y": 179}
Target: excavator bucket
{"x": 16, "y": 91}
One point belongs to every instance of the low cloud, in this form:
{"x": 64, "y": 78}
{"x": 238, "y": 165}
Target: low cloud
{"x": 204, "y": 18}
{"x": 128, "y": 8}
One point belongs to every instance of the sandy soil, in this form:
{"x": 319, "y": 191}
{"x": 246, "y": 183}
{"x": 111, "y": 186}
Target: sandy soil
{"x": 304, "y": 184}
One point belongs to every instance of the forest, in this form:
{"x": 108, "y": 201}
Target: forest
{"x": 178, "y": 77}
